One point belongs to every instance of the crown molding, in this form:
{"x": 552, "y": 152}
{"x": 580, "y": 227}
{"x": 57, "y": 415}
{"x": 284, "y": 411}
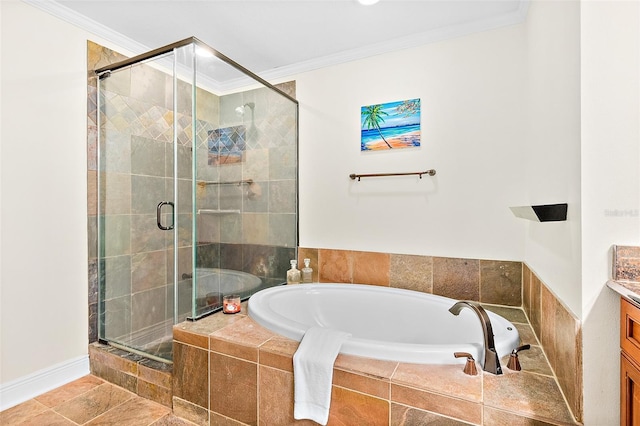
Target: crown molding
{"x": 441, "y": 34}
{"x": 135, "y": 48}
{"x": 71, "y": 16}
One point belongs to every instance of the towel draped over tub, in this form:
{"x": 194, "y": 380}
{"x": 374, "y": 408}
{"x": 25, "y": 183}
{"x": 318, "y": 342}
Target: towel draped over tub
{"x": 313, "y": 372}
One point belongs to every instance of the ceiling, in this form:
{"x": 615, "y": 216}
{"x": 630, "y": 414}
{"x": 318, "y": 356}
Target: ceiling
{"x": 277, "y": 38}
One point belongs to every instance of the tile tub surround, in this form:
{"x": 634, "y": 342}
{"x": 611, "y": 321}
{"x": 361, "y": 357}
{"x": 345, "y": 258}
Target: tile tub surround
{"x": 250, "y": 381}
{"x": 560, "y": 335}
{"x": 560, "y": 338}
{"x": 496, "y": 282}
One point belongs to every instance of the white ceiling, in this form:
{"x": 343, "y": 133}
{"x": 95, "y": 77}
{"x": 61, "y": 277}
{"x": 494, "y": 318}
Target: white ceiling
{"x": 275, "y": 38}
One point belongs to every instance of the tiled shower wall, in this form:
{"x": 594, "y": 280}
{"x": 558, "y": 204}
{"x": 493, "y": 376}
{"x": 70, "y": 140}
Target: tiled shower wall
{"x": 260, "y": 240}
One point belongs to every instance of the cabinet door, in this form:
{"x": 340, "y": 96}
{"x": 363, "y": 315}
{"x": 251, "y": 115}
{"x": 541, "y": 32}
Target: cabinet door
{"x": 630, "y": 329}
{"x": 629, "y": 393}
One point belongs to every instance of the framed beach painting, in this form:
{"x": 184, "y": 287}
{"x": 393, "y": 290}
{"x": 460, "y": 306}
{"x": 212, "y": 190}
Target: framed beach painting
{"x": 393, "y": 125}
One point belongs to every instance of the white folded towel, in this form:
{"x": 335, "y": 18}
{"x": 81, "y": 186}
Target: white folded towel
{"x": 313, "y": 372}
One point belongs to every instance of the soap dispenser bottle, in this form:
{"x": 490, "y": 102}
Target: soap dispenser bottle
{"x": 307, "y": 272}
{"x": 293, "y": 274}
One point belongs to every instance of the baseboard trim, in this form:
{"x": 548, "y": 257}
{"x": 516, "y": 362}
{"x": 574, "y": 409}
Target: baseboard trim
{"x": 32, "y": 385}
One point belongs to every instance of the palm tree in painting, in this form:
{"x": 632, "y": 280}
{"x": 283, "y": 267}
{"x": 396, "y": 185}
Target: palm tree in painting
{"x": 373, "y": 116}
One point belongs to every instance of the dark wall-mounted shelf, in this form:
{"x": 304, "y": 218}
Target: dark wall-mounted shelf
{"x": 542, "y": 213}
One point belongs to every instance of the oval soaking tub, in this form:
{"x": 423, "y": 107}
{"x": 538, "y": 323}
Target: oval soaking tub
{"x": 385, "y": 323}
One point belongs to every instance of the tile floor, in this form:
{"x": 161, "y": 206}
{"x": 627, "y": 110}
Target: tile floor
{"x": 90, "y": 401}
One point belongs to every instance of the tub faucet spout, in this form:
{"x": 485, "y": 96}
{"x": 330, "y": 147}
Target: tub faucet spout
{"x": 491, "y": 361}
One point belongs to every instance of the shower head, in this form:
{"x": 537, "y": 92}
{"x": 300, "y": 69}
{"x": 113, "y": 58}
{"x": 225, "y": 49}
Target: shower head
{"x": 241, "y": 109}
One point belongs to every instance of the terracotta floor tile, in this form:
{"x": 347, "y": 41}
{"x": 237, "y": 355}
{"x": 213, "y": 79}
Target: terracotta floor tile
{"x": 69, "y": 391}
{"x": 136, "y": 411}
{"x": 171, "y": 420}
{"x": 21, "y": 412}
{"x": 49, "y": 418}
{"x": 94, "y": 403}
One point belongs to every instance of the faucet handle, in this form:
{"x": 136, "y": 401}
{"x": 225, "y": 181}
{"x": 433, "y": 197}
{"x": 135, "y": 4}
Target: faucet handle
{"x": 514, "y": 363}
{"x": 470, "y": 366}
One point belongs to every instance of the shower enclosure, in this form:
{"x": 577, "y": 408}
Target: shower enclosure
{"x": 197, "y": 190}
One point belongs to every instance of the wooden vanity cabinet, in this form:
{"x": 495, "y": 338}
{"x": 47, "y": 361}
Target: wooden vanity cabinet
{"x": 629, "y": 364}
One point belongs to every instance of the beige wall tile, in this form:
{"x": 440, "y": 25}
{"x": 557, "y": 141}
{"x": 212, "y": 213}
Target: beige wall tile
{"x": 278, "y": 352}
{"x": 189, "y": 380}
{"x": 493, "y": 417}
{"x": 456, "y": 278}
{"x": 347, "y": 405}
{"x": 370, "y": 268}
{"x": 373, "y": 367}
{"x": 526, "y": 290}
{"x": 335, "y": 266}
{"x": 191, "y": 412}
{"x": 548, "y": 305}
{"x": 242, "y": 340}
{"x": 501, "y": 282}
{"x": 568, "y": 347}
{"x": 233, "y": 388}
{"x": 453, "y": 407}
{"x": 411, "y": 272}
{"x": 276, "y": 398}
{"x": 156, "y": 393}
{"x": 366, "y": 384}
{"x": 402, "y": 415}
{"x": 527, "y": 395}
{"x": 536, "y": 305}
{"x": 444, "y": 379}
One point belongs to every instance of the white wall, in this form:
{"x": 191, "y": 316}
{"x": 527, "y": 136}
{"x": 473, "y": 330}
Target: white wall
{"x": 610, "y": 36}
{"x": 472, "y": 93}
{"x": 43, "y": 218}
{"x": 44, "y": 267}
{"x": 552, "y": 154}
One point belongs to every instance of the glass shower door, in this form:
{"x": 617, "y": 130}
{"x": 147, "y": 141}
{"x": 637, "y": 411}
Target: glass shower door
{"x": 137, "y": 207}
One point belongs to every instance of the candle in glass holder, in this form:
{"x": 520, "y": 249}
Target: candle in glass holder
{"x": 231, "y": 304}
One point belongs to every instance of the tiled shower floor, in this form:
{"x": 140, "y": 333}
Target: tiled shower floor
{"x": 90, "y": 401}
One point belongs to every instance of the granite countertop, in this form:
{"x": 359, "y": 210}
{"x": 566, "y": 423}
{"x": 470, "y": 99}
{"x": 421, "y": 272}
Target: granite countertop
{"x": 628, "y": 289}
{"x": 626, "y": 272}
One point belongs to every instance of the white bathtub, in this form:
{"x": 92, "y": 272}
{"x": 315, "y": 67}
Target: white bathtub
{"x": 385, "y": 323}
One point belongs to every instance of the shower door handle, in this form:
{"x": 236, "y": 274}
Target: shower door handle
{"x": 159, "y": 215}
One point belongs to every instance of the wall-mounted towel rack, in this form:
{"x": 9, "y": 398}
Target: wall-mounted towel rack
{"x": 430, "y": 172}
{"x": 236, "y": 182}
